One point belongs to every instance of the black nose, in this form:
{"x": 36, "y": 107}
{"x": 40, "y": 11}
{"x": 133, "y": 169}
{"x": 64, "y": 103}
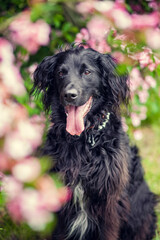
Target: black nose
{"x": 71, "y": 94}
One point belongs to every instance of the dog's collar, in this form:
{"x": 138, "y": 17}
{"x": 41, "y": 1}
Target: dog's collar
{"x": 92, "y": 137}
{"x": 103, "y": 124}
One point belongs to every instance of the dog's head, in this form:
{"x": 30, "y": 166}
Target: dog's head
{"x": 81, "y": 80}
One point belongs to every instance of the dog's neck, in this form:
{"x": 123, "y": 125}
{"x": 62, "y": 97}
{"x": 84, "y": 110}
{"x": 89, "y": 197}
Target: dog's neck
{"x": 93, "y": 130}
{"x": 92, "y": 137}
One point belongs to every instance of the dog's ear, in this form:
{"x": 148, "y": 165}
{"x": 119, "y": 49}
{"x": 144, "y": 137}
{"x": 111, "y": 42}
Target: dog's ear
{"x": 44, "y": 79}
{"x": 115, "y": 83}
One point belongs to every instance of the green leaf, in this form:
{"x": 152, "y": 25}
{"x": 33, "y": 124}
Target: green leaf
{"x": 66, "y": 27}
{"x": 2, "y": 198}
{"x": 158, "y": 70}
{"x": 57, "y": 180}
{"x": 121, "y": 69}
{"x": 110, "y": 37}
{"x": 46, "y": 164}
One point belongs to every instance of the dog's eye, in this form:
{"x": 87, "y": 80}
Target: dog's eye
{"x": 87, "y": 72}
{"x": 60, "y": 73}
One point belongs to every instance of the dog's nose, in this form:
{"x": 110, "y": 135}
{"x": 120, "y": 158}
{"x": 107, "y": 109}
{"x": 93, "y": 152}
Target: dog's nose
{"x": 71, "y": 95}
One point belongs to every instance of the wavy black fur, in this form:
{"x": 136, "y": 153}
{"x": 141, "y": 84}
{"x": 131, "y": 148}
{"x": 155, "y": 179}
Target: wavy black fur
{"x": 111, "y": 199}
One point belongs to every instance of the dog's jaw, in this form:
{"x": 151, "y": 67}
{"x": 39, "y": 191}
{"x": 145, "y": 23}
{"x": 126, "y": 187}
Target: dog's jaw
{"x": 75, "y": 117}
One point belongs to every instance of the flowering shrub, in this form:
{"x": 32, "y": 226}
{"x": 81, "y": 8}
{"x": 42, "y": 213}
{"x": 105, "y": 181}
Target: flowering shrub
{"x": 28, "y": 34}
{"x": 133, "y": 39}
{"x": 30, "y": 194}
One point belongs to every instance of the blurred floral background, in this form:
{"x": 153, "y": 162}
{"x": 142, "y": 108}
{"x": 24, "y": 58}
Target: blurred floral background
{"x": 30, "y": 30}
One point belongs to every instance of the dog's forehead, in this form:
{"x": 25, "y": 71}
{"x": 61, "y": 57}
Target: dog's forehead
{"x": 78, "y": 58}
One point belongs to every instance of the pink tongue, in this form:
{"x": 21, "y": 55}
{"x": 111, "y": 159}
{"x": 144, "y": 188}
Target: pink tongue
{"x": 75, "y": 121}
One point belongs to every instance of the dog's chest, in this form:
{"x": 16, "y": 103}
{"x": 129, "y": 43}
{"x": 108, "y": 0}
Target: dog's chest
{"x": 79, "y": 224}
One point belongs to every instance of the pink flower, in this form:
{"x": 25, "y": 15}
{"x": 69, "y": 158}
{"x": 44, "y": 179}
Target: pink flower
{"x": 121, "y": 37}
{"x": 83, "y": 35}
{"x": 143, "y": 96}
{"x": 26, "y": 137}
{"x": 103, "y": 7}
{"x": 52, "y": 198}
{"x": 98, "y": 28}
{"x": 12, "y": 79}
{"x": 27, "y": 170}
{"x": 154, "y": 4}
{"x": 31, "y": 69}
{"x": 21, "y": 58}
{"x": 153, "y": 65}
{"x": 85, "y": 7}
{"x": 11, "y": 114}
{"x": 96, "y": 34}
{"x": 43, "y": 31}
{"x": 38, "y": 119}
{"x": 16, "y": 147}
{"x": 32, "y": 210}
{"x": 138, "y": 135}
{"x": 28, "y": 34}
{"x": 145, "y": 20}
{"x": 4, "y": 162}
{"x": 144, "y": 57}
{"x": 123, "y": 40}
{"x": 30, "y": 131}
{"x": 4, "y": 94}
{"x": 22, "y": 135}
{"x": 135, "y": 79}
{"x": 35, "y": 206}
{"x": 21, "y": 112}
{"x": 135, "y": 119}
{"x": 102, "y": 46}
{"x": 143, "y": 111}
{"x": 6, "y": 118}
{"x": 153, "y": 38}
{"x": 6, "y": 51}
{"x": 27, "y": 207}
{"x": 1, "y": 176}
{"x": 14, "y": 209}
{"x": 119, "y": 56}
{"x": 151, "y": 81}
{"x": 9, "y": 73}
{"x": 121, "y": 18}
{"x": 12, "y": 187}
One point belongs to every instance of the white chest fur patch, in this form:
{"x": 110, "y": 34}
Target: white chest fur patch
{"x": 80, "y": 223}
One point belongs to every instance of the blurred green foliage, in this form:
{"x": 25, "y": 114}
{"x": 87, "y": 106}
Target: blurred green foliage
{"x": 9, "y": 8}
{"x": 18, "y": 231}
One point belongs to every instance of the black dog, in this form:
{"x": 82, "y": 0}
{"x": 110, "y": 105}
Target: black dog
{"x": 111, "y": 199}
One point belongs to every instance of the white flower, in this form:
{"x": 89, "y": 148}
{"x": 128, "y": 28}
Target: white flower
{"x": 27, "y": 170}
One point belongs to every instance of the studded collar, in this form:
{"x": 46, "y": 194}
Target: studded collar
{"x": 92, "y": 137}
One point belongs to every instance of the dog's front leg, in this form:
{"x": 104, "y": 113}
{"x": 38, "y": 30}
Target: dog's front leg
{"x": 112, "y": 219}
